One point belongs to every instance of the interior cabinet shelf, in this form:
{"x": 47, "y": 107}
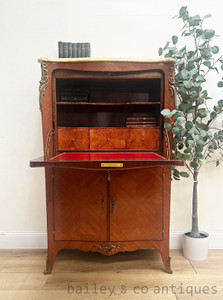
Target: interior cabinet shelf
{"x": 107, "y": 156}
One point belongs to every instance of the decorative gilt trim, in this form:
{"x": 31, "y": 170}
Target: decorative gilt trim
{"x": 167, "y": 140}
{"x": 108, "y": 249}
{"x": 171, "y": 80}
{"x": 48, "y": 139}
{"x": 98, "y": 59}
{"x": 43, "y": 83}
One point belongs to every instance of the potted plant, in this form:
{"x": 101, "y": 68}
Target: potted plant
{"x": 196, "y": 137}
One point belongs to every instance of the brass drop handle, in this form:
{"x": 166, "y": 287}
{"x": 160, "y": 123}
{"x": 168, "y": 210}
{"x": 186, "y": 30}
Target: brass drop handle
{"x": 73, "y": 139}
{"x": 143, "y": 139}
{"x": 102, "y": 204}
{"x": 112, "y": 205}
{"x": 108, "y": 139}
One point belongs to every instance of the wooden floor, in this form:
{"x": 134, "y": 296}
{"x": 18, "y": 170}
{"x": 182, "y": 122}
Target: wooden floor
{"x": 90, "y": 276}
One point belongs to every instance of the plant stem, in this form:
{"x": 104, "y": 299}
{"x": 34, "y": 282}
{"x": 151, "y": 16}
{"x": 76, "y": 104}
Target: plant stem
{"x": 195, "y": 231}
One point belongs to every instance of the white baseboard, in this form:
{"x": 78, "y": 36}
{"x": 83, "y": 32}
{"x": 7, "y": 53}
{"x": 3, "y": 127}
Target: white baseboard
{"x": 38, "y": 240}
{"x": 23, "y": 240}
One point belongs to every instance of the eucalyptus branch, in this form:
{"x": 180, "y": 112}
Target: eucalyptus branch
{"x": 212, "y": 120}
{"x": 205, "y": 74}
{"x": 192, "y": 141}
{"x": 189, "y": 169}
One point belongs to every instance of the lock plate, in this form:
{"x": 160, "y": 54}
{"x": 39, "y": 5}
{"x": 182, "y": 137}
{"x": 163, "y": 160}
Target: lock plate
{"x": 112, "y": 165}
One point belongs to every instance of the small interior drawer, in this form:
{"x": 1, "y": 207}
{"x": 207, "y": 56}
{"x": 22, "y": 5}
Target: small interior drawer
{"x": 70, "y": 139}
{"x": 144, "y": 139}
{"x": 108, "y": 139}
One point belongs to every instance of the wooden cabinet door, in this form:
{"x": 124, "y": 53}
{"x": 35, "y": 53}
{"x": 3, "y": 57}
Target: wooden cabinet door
{"x": 80, "y": 205}
{"x": 136, "y": 211}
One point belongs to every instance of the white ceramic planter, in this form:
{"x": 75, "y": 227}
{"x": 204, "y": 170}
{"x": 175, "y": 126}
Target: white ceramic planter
{"x": 195, "y": 249}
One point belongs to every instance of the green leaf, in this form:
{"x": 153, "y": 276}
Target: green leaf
{"x": 207, "y": 63}
{"x": 185, "y": 74}
{"x": 200, "y": 142}
{"x": 201, "y": 161}
{"x": 220, "y": 84}
{"x": 194, "y": 130}
{"x": 198, "y": 155}
{"x": 183, "y": 10}
{"x": 180, "y": 120}
{"x": 188, "y": 84}
{"x": 193, "y": 71}
{"x": 201, "y": 78}
{"x": 174, "y": 39}
{"x": 160, "y": 51}
{"x": 217, "y": 163}
{"x": 199, "y": 148}
{"x": 189, "y": 125}
{"x": 197, "y": 83}
{"x": 184, "y": 174}
{"x": 207, "y": 16}
{"x": 176, "y": 172}
{"x": 183, "y": 49}
{"x": 190, "y": 143}
{"x": 199, "y": 32}
{"x": 165, "y": 112}
{"x": 203, "y": 133}
{"x": 215, "y": 49}
{"x": 167, "y": 126}
{"x": 202, "y": 113}
{"x": 194, "y": 165}
{"x": 220, "y": 103}
{"x": 175, "y": 130}
{"x": 167, "y": 44}
{"x": 208, "y": 34}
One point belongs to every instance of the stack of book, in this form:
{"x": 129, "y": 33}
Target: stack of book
{"x": 141, "y": 122}
{"x": 74, "y": 95}
{"x": 69, "y": 50}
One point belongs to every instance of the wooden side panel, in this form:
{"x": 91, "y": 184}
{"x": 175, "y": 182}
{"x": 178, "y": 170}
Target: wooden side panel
{"x": 144, "y": 139}
{"x": 80, "y": 205}
{"x": 108, "y": 139}
{"x": 136, "y": 205}
{"x": 71, "y": 139}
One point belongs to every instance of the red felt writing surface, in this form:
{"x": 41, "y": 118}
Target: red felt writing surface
{"x": 105, "y": 156}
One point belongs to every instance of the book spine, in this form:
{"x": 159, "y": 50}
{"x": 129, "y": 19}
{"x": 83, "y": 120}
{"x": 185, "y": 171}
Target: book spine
{"x": 60, "y": 49}
{"x": 83, "y": 50}
{"x": 88, "y": 49}
{"x": 78, "y": 49}
{"x": 74, "y": 49}
{"x": 69, "y": 50}
{"x": 65, "y": 50}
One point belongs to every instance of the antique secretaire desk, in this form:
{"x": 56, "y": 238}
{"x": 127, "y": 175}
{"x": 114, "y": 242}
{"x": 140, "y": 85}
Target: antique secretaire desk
{"x": 107, "y": 156}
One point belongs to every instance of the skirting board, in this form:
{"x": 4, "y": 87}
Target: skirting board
{"x": 38, "y": 240}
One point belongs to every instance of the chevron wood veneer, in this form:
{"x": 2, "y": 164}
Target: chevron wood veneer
{"x": 107, "y": 184}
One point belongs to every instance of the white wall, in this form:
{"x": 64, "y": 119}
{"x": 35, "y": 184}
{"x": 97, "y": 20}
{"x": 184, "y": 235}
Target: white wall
{"x": 117, "y": 28}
